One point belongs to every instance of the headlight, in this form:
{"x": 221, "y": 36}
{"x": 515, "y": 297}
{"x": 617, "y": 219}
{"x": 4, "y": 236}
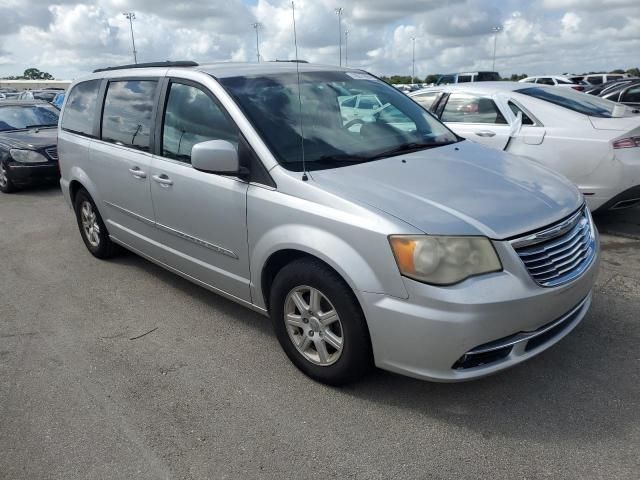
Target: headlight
{"x": 443, "y": 260}
{"x": 27, "y": 156}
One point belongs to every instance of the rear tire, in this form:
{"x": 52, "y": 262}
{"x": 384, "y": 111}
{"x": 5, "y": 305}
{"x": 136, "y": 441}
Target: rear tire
{"x": 319, "y": 323}
{"x": 6, "y": 185}
{"x": 92, "y": 229}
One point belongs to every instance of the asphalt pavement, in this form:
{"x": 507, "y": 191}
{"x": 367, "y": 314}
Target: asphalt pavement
{"x": 87, "y": 393}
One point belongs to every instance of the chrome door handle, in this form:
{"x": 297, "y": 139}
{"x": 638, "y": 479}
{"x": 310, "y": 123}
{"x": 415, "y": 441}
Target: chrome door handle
{"x": 163, "y": 180}
{"x": 136, "y": 172}
{"x": 485, "y": 133}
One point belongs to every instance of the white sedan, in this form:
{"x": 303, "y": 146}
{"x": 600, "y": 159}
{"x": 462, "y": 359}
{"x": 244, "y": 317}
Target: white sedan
{"x": 592, "y": 141}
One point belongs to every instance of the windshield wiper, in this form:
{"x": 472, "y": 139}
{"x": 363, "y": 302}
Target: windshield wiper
{"x": 406, "y": 148}
{"x": 341, "y": 158}
{"x": 42, "y": 126}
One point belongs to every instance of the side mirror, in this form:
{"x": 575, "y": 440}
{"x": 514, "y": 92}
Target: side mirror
{"x": 216, "y": 156}
{"x": 516, "y": 125}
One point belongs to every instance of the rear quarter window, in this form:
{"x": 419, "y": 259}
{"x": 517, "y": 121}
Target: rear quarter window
{"x": 80, "y": 110}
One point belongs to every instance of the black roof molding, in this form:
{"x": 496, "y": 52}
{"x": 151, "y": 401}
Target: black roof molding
{"x": 181, "y": 63}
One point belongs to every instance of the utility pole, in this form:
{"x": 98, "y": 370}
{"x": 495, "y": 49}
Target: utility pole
{"x": 495, "y": 30}
{"x": 131, "y": 17}
{"x": 346, "y": 48}
{"x": 339, "y": 11}
{"x": 257, "y": 26}
{"x": 413, "y": 61}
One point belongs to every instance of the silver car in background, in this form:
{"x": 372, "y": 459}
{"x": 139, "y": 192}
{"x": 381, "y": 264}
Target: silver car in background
{"x": 382, "y": 239}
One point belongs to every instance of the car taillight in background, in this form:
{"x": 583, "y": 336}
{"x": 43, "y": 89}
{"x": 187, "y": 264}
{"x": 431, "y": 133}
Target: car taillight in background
{"x": 580, "y": 88}
{"x": 629, "y": 142}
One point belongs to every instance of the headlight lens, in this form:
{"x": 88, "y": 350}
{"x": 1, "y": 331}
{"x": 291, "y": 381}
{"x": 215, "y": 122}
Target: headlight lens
{"x": 27, "y": 156}
{"x": 443, "y": 260}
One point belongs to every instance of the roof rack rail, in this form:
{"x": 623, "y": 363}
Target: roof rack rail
{"x": 182, "y": 63}
{"x": 290, "y": 61}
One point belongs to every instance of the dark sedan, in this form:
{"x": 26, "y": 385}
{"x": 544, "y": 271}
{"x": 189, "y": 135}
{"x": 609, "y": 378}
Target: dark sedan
{"x": 28, "y": 138}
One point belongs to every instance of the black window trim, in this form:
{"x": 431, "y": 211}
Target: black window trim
{"x": 156, "y": 96}
{"x": 258, "y": 173}
{"x": 536, "y": 122}
{"x": 93, "y": 134}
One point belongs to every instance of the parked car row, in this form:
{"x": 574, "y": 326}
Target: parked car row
{"x": 54, "y": 96}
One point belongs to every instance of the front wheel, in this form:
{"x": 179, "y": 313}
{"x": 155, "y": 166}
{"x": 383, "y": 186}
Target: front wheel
{"x": 6, "y": 185}
{"x": 319, "y": 323}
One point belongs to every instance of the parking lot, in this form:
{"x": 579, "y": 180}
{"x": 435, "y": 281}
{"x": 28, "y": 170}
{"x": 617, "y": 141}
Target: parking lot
{"x": 208, "y": 393}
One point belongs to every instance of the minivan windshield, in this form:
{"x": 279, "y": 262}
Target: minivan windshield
{"x": 344, "y": 118}
{"x": 573, "y": 100}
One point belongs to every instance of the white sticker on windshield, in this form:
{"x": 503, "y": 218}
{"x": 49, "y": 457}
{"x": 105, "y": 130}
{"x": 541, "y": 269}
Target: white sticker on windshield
{"x": 360, "y": 76}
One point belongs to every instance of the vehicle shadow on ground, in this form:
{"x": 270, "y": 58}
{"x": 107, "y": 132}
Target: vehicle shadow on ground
{"x": 39, "y": 190}
{"x": 624, "y": 222}
{"x": 581, "y": 388}
{"x": 248, "y": 317}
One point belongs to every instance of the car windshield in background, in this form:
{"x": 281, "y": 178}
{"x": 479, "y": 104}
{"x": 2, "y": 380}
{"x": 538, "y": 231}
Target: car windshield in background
{"x": 344, "y": 117}
{"x": 17, "y": 117}
{"x": 576, "y": 101}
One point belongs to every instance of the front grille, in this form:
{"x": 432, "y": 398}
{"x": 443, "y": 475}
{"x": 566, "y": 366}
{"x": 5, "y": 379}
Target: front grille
{"x": 560, "y": 253}
{"x": 52, "y": 153}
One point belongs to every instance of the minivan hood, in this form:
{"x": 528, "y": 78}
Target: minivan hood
{"x": 459, "y": 189}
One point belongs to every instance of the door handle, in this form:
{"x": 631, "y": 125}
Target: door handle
{"x": 163, "y": 180}
{"x": 485, "y": 133}
{"x": 136, "y": 172}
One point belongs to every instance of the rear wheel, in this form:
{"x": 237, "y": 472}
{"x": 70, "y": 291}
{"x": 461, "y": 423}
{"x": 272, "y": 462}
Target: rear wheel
{"x": 319, "y": 323}
{"x": 92, "y": 229}
{"x": 6, "y": 185}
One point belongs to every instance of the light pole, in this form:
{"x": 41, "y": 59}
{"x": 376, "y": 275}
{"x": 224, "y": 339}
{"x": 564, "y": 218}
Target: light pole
{"x": 339, "y": 11}
{"x": 413, "y": 60}
{"x": 257, "y": 26}
{"x": 495, "y": 30}
{"x": 131, "y": 17}
{"x": 346, "y": 48}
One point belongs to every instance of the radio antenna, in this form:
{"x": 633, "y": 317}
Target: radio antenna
{"x": 295, "y": 43}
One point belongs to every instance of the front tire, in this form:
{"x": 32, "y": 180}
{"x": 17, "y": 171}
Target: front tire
{"x": 92, "y": 228}
{"x": 319, "y": 323}
{"x": 6, "y": 185}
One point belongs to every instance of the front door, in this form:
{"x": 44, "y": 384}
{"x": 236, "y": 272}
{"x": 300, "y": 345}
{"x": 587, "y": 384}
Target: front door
{"x": 200, "y": 217}
{"x": 476, "y": 118}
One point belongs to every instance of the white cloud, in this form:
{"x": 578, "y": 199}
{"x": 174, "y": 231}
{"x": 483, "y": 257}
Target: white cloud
{"x": 71, "y": 37}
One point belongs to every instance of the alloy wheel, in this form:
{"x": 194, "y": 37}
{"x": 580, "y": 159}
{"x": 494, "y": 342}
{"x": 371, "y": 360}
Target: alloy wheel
{"x": 313, "y": 325}
{"x": 90, "y": 223}
{"x": 4, "y": 178}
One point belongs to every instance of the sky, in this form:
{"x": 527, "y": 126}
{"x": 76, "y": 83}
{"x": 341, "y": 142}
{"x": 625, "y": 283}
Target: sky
{"x": 70, "y": 38}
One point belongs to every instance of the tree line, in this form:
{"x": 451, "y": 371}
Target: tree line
{"x": 31, "y": 74}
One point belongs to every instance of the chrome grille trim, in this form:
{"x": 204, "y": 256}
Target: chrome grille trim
{"x": 560, "y": 253}
{"x": 52, "y": 153}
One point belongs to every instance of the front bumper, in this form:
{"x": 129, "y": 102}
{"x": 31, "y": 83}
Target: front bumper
{"x": 21, "y": 173}
{"x": 432, "y": 334}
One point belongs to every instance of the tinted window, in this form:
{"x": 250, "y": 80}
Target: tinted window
{"x": 81, "y": 107}
{"x": 126, "y": 117}
{"x": 368, "y": 103}
{"x": 569, "y": 98}
{"x": 597, "y": 80}
{"x": 467, "y": 108}
{"x": 631, "y": 95}
{"x": 526, "y": 120}
{"x": 447, "y": 79}
{"x": 562, "y": 81}
{"x": 464, "y": 78}
{"x": 487, "y": 77}
{"x": 613, "y": 77}
{"x": 14, "y": 117}
{"x": 545, "y": 81}
{"x": 426, "y": 99}
{"x": 529, "y": 80}
{"x": 350, "y": 103}
{"x": 191, "y": 117}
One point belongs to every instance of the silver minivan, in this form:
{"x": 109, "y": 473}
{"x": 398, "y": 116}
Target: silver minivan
{"x": 381, "y": 240}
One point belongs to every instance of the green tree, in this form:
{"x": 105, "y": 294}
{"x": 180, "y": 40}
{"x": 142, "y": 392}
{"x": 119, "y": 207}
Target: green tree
{"x": 432, "y": 78}
{"x": 634, "y": 72}
{"x": 35, "y": 74}
{"x": 517, "y": 76}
